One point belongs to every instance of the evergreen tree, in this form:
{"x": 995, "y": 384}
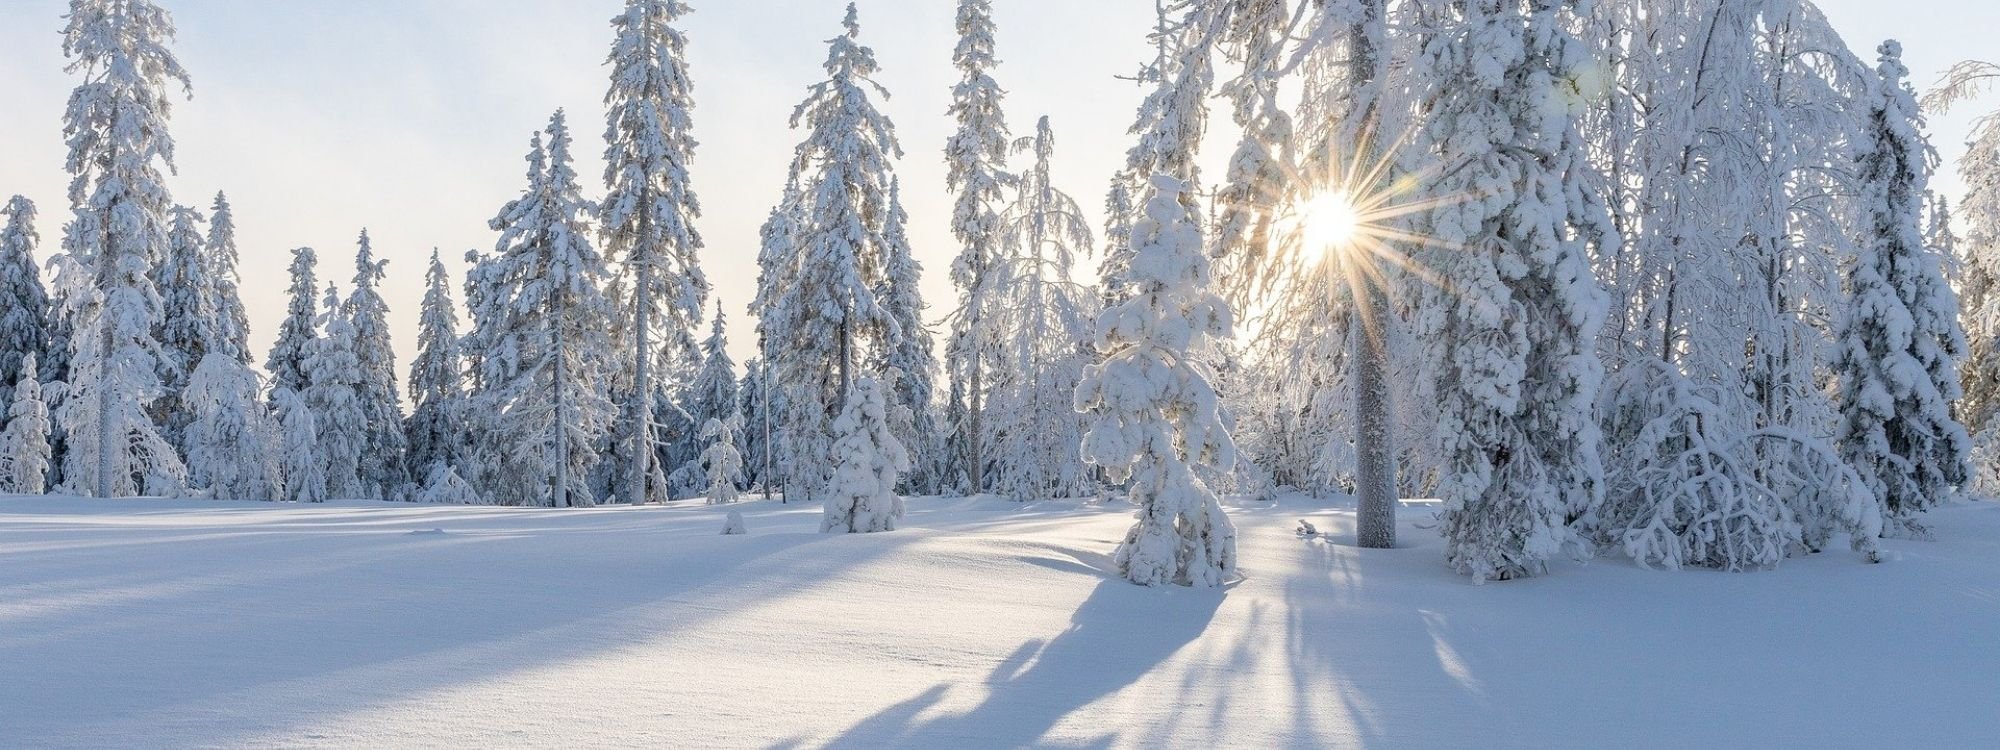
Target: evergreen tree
{"x": 1155, "y": 415}
{"x": 1900, "y": 343}
{"x": 25, "y": 455}
{"x": 231, "y": 442}
{"x": 335, "y": 398}
{"x": 1515, "y": 312}
{"x": 862, "y": 497}
{"x": 541, "y": 318}
{"x": 304, "y": 469}
{"x": 383, "y": 473}
{"x": 977, "y": 156}
{"x": 187, "y": 320}
{"x": 760, "y": 426}
{"x": 1169, "y": 126}
{"x": 436, "y": 431}
{"x": 816, "y": 304}
{"x": 722, "y": 461}
{"x": 648, "y": 213}
{"x": 298, "y": 331}
{"x": 907, "y": 360}
{"x": 1043, "y": 320}
{"x": 116, "y": 128}
{"x": 445, "y": 487}
{"x": 24, "y": 303}
{"x": 233, "y": 323}
{"x": 713, "y": 394}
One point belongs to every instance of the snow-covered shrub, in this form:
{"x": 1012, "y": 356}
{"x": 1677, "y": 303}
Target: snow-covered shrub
{"x": 723, "y": 461}
{"x": 444, "y": 486}
{"x": 870, "y": 459}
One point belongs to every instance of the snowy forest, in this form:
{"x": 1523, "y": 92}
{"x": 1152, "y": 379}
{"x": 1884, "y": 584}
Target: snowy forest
{"x": 1601, "y": 277}
{"x": 1387, "y": 298}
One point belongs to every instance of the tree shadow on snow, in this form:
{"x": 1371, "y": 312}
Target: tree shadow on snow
{"x": 1118, "y": 635}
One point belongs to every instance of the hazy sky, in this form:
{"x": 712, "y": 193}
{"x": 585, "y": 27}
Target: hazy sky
{"x": 410, "y": 117}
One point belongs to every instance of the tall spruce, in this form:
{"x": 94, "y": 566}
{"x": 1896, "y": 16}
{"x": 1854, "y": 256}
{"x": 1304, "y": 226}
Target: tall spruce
{"x": 233, "y": 335}
{"x": 436, "y": 430}
{"x": 648, "y": 213}
{"x": 383, "y": 471}
{"x": 817, "y": 306}
{"x": 337, "y": 378}
{"x": 187, "y": 319}
{"x": 116, "y": 130}
{"x": 1900, "y": 343}
{"x": 541, "y": 317}
{"x": 977, "y": 156}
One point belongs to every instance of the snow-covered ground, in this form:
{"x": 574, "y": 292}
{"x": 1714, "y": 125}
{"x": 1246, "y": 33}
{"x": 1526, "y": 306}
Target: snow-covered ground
{"x": 139, "y": 623}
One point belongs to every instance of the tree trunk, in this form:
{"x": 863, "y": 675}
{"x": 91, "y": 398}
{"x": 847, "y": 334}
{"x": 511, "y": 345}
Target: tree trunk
{"x": 642, "y": 347}
{"x": 1374, "y": 426}
{"x": 560, "y": 496}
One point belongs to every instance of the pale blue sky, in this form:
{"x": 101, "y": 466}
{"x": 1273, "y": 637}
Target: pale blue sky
{"x": 410, "y": 117}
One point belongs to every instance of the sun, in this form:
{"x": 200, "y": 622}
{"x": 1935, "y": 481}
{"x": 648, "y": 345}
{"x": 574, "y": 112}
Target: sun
{"x": 1328, "y": 221}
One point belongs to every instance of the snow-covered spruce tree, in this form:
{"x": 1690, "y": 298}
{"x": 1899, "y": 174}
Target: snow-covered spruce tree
{"x": 816, "y": 303}
{"x": 383, "y": 472}
{"x": 298, "y": 331}
{"x": 648, "y": 213}
{"x": 1978, "y": 256}
{"x": 1169, "y": 127}
{"x": 187, "y": 320}
{"x": 232, "y": 322}
{"x": 722, "y": 461}
{"x": 231, "y": 441}
{"x": 24, "y": 303}
{"x": 977, "y": 156}
{"x": 1155, "y": 413}
{"x": 542, "y": 374}
{"x": 25, "y": 455}
{"x": 1042, "y": 321}
{"x": 1514, "y": 312}
{"x": 712, "y": 394}
{"x": 908, "y": 359}
{"x": 869, "y": 459}
{"x": 436, "y": 429}
{"x": 303, "y": 468}
{"x": 1899, "y": 341}
{"x": 116, "y": 130}
{"x": 335, "y": 398}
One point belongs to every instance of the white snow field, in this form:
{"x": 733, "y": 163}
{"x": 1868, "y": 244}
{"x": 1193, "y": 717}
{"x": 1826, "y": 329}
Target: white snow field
{"x": 982, "y": 623}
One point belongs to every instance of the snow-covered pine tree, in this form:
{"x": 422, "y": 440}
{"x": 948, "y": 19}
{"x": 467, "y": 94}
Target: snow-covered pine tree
{"x": 303, "y": 468}
{"x": 648, "y": 213}
{"x": 869, "y": 460}
{"x": 116, "y": 129}
{"x": 231, "y": 442}
{"x": 977, "y": 156}
{"x": 1155, "y": 414}
{"x": 24, "y": 303}
{"x": 1042, "y": 320}
{"x": 1899, "y": 340}
{"x": 436, "y": 429}
{"x": 540, "y": 319}
{"x": 1514, "y": 312}
{"x": 760, "y": 427}
{"x": 722, "y": 461}
{"x": 383, "y": 472}
{"x": 25, "y": 455}
{"x": 335, "y": 398}
{"x": 1169, "y": 126}
{"x": 233, "y": 323}
{"x": 816, "y": 303}
{"x": 187, "y": 320}
{"x": 712, "y": 394}
{"x": 298, "y": 331}
{"x": 908, "y": 359}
